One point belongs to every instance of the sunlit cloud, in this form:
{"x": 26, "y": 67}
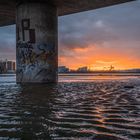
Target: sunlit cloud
{"x": 102, "y": 38}
{"x": 97, "y": 38}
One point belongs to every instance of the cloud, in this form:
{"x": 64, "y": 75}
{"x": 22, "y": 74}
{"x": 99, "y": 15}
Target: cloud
{"x": 112, "y": 31}
{"x": 106, "y": 62}
{"x": 97, "y": 26}
{"x": 89, "y": 37}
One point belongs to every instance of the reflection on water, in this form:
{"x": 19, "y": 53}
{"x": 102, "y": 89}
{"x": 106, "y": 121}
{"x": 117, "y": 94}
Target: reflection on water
{"x": 97, "y": 109}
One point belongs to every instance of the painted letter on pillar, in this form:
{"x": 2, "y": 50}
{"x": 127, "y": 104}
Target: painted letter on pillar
{"x": 27, "y": 33}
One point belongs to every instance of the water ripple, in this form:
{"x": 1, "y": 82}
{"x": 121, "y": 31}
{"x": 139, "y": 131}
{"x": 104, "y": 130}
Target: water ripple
{"x": 99, "y": 110}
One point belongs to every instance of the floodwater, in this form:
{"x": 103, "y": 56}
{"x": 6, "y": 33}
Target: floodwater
{"x": 77, "y": 108}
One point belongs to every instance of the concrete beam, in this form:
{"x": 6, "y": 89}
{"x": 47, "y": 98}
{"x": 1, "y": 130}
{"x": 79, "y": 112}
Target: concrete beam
{"x": 64, "y": 7}
{"x": 75, "y": 6}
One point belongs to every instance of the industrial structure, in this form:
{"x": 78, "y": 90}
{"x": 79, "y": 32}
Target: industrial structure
{"x": 7, "y": 66}
{"x": 37, "y": 33}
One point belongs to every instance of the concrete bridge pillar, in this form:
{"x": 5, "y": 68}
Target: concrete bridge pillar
{"x": 36, "y": 25}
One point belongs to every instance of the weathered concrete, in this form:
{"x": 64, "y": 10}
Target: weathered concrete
{"x": 64, "y": 7}
{"x": 36, "y": 43}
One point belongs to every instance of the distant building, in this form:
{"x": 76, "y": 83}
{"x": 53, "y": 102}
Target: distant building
{"x": 7, "y": 66}
{"x": 14, "y": 66}
{"x": 83, "y": 69}
{"x": 3, "y": 67}
{"x": 63, "y": 69}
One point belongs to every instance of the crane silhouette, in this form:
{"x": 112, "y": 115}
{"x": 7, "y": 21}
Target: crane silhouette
{"x": 111, "y": 68}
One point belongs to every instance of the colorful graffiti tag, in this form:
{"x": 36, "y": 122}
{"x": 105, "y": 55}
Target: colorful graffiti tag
{"x": 35, "y": 62}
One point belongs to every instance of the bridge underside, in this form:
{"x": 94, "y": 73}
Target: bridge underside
{"x": 64, "y": 7}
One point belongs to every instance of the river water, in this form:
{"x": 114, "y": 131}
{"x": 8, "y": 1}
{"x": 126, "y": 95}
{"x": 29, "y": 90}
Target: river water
{"x": 79, "y": 107}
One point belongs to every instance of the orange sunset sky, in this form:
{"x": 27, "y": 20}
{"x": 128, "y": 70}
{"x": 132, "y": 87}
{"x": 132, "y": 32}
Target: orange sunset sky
{"x": 101, "y": 38}
{"x": 100, "y": 59}
{"x": 97, "y": 38}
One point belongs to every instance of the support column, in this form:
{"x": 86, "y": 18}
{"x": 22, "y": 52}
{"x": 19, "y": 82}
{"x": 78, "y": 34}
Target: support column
{"x": 37, "y": 50}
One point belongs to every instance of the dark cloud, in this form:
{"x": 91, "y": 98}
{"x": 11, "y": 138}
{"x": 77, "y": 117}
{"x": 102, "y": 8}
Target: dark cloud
{"x": 117, "y": 23}
{"x": 116, "y": 26}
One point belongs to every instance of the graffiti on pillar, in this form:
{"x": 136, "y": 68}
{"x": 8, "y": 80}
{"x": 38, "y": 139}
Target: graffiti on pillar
{"x": 35, "y": 61}
{"x": 28, "y": 34}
